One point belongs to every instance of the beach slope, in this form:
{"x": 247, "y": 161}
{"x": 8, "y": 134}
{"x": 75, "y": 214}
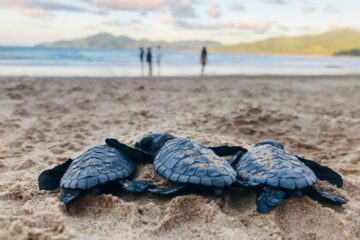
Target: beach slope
{"x": 45, "y": 121}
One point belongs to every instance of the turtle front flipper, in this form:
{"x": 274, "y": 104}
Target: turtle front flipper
{"x": 133, "y": 153}
{"x": 223, "y": 151}
{"x": 50, "y": 179}
{"x": 322, "y": 172}
{"x": 136, "y": 186}
{"x": 268, "y": 198}
{"x": 168, "y": 191}
{"x": 324, "y": 197}
{"x": 70, "y": 195}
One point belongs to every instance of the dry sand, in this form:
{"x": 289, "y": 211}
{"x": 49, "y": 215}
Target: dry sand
{"x": 45, "y": 121}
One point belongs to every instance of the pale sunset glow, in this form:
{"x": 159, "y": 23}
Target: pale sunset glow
{"x": 29, "y": 22}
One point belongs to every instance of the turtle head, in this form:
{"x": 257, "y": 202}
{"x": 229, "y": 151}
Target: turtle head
{"x": 153, "y": 142}
{"x": 270, "y": 142}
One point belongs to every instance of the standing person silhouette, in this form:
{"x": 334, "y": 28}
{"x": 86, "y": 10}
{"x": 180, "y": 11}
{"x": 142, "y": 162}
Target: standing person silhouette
{"x": 142, "y": 59}
{"x": 149, "y": 60}
{"x": 158, "y": 58}
{"x": 203, "y": 59}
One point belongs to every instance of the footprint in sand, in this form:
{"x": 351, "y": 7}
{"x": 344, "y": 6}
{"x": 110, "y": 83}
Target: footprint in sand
{"x": 183, "y": 210}
{"x": 27, "y": 148}
{"x": 85, "y": 131}
{"x": 57, "y": 151}
{"x": 25, "y": 165}
{"x": 34, "y": 135}
{"x": 15, "y": 96}
{"x": 79, "y": 136}
{"x": 297, "y": 218}
{"x": 238, "y": 201}
{"x": 254, "y": 110}
{"x": 62, "y": 148}
{"x": 149, "y": 214}
{"x": 20, "y": 111}
{"x": 84, "y": 105}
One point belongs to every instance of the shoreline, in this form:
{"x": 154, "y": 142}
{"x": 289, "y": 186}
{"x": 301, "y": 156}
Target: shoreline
{"x": 82, "y": 63}
{"x": 236, "y": 76}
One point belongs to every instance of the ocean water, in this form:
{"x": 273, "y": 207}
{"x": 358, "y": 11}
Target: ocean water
{"x": 22, "y": 61}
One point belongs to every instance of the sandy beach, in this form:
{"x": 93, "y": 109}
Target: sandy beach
{"x": 45, "y": 121}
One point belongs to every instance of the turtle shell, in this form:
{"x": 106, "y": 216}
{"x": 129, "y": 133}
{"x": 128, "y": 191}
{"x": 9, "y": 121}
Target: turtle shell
{"x": 183, "y": 161}
{"x": 98, "y": 165}
{"x": 272, "y": 166}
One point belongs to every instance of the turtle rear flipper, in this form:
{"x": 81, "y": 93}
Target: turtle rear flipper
{"x": 70, "y": 195}
{"x": 136, "y": 186}
{"x": 223, "y": 151}
{"x": 133, "y": 153}
{"x": 50, "y": 179}
{"x": 241, "y": 184}
{"x": 322, "y": 172}
{"x": 168, "y": 191}
{"x": 268, "y": 198}
{"x": 324, "y": 197}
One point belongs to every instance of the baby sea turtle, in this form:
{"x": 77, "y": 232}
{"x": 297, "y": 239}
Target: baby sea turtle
{"x": 101, "y": 169}
{"x": 277, "y": 174}
{"x": 190, "y": 166}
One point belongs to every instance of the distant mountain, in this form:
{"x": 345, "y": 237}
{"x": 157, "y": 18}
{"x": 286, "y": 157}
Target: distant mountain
{"x": 351, "y": 52}
{"x": 105, "y": 40}
{"x": 328, "y": 43}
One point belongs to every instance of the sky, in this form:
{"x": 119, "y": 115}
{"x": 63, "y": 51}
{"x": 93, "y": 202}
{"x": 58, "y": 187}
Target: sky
{"x": 29, "y": 22}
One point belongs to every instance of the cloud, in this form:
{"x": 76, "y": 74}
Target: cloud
{"x": 100, "y": 12}
{"x": 113, "y": 23}
{"x": 45, "y": 5}
{"x": 178, "y": 8}
{"x": 53, "y": 6}
{"x": 214, "y": 10}
{"x": 195, "y": 1}
{"x": 133, "y": 4}
{"x": 258, "y": 27}
{"x": 182, "y": 10}
{"x": 308, "y": 8}
{"x": 34, "y": 12}
{"x": 38, "y": 8}
{"x": 283, "y": 28}
{"x": 307, "y": 28}
{"x": 118, "y": 23}
{"x": 252, "y": 26}
{"x": 331, "y": 9}
{"x": 237, "y": 8}
{"x": 17, "y": 3}
{"x": 167, "y": 19}
{"x": 197, "y": 26}
{"x": 278, "y": 2}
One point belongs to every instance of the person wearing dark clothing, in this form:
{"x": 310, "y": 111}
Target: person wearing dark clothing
{"x": 149, "y": 60}
{"x": 141, "y": 55}
{"x": 142, "y": 59}
{"x": 203, "y": 59}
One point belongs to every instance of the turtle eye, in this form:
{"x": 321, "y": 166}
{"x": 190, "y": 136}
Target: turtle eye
{"x": 145, "y": 144}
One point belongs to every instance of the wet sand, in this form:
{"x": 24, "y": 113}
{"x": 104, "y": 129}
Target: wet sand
{"x": 45, "y": 121}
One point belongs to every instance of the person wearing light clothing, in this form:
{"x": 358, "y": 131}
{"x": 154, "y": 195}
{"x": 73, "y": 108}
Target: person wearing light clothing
{"x": 158, "y": 58}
